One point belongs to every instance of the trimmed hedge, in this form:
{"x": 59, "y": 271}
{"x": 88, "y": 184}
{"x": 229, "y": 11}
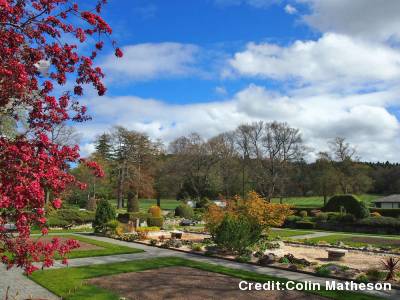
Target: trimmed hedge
{"x": 69, "y": 217}
{"x": 155, "y": 221}
{"x": 305, "y": 224}
{"x": 155, "y": 211}
{"x": 350, "y": 203}
{"x": 126, "y": 217}
{"x": 184, "y": 211}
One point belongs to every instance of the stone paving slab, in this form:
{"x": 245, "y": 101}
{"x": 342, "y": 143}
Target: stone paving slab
{"x": 20, "y": 286}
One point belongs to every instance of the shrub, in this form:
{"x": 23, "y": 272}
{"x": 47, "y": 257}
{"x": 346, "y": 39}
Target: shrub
{"x": 391, "y": 265}
{"x": 54, "y": 221}
{"x": 155, "y": 221}
{"x": 348, "y": 218}
{"x": 375, "y": 214}
{"x": 375, "y": 275}
{"x": 126, "y": 217}
{"x": 291, "y": 220}
{"x": 196, "y": 247}
{"x": 323, "y": 271}
{"x": 236, "y": 234}
{"x": 133, "y": 202}
{"x": 111, "y": 226}
{"x": 243, "y": 258}
{"x": 203, "y": 203}
{"x": 153, "y": 242}
{"x": 349, "y": 203}
{"x": 91, "y": 204}
{"x": 387, "y": 212}
{"x": 155, "y": 211}
{"x": 147, "y": 229}
{"x": 305, "y": 224}
{"x": 104, "y": 213}
{"x": 303, "y": 213}
{"x": 184, "y": 211}
{"x": 321, "y": 217}
{"x": 387, "y": 222}
{"x": 362, "y": 278}
{"x": 69, "y": 217}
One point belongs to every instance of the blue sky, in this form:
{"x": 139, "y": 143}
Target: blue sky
{"x": 330, "y": 68}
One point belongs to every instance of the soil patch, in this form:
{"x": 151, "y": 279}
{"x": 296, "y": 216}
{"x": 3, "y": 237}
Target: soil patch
{"x": 186, "y": 283}
{"x": 83, "y": 245}
{"x": 357, "y": 260}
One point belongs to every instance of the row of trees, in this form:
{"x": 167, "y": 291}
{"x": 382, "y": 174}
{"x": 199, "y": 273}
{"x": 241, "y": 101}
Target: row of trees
{"x": 268, "y": 158}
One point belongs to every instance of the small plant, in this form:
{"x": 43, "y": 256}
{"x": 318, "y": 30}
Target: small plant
{"x": 155, "y": 211}
{"x": 391, "y": 265}
{"x": 362, "y": 278}
{"x": 375, "y": 275}
{"x": 303, "y": 213}
{"x": 197, "y": 247}
{"x": 244, "y": 258}
{"x": 153, "y": 242}
{"x": 375, "y": 214}
{"x": 323, "y": 271}
{"x": 184, "y": 211}
{"x": 284, "y": 260}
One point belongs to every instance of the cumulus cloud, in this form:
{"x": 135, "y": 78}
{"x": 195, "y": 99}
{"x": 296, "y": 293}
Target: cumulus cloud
{"x": 149, "y": 61}
{"x": 291, "y": 10}
{"x": 363, "y": 119}
{"x": 331, "y": 58}
{"x": 368, "y": 19}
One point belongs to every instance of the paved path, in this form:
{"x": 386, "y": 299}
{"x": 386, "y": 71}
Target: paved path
{"x": 26, "y": 287}
{"x": 20, "y": 286}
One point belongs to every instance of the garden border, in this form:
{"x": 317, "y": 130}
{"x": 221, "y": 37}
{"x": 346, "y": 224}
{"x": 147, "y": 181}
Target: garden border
{"x": 394, "y": 286}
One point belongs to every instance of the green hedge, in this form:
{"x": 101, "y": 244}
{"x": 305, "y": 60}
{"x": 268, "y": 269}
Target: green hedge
{"x": 69, "y": 217}
{"x": 305, "y": 224}
{"x": 184, "y": 211}
{"x": 126, "y": 217}
{"x": 350, "y": 203}
{"x": 155, "y": 221}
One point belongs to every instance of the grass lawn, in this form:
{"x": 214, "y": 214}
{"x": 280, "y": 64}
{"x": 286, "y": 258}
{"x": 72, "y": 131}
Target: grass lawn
{"x": 166, "y": 204}
{"x": 315, "y": 201}
{"x": 284, "y": 233}
{"x": 69, "y": 283}
{"x": 106, "y": 248}
{"x": 358, "y": 240}
{"x": 63, "y": 231}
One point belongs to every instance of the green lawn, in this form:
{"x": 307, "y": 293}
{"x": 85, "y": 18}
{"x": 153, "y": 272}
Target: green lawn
{"x": 69, "y": 283}
{"x": 315, "y": 201}
{"x": 108, "y": 248}
{"x": 358, "y": 240}
{"x": 63, "y": 231}
{"x": 284, "y": 233}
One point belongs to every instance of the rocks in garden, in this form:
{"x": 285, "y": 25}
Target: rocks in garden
{"x": 298, "y": 261}
{"x": 336, "y": 254}
{"x": 268, "y": 259}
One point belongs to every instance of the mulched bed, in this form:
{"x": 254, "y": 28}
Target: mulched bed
{"x": 186, "y": 283}
{"x": 374, "y": 241}
{"x": 83, "y": 246}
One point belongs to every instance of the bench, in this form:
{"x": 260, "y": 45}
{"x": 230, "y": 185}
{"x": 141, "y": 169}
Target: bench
{"x": 336, "y": 254}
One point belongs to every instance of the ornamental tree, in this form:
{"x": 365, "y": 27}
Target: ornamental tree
{"x": 38, "y": 36}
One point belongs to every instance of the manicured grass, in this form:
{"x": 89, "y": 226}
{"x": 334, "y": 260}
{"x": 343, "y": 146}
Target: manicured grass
{"x": 284, "y": 233}
{"x": 358, "y": 240}
{"x": 69, "y": 283}
{"x": 63, "y": 231}
{"x": 318, "y": 201}
{"x": 108, "y": 248}
{"x": 166, "y": 204}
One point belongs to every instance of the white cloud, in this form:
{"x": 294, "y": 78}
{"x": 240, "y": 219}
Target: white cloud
{"x": 363, "y": 119}
{"x": 221, "y": 90}
{"x": 371, "y": 19}
{"x": 333, "y": 58}
{"x": 291, "y": 10}
{"x": 149, "y": 61}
